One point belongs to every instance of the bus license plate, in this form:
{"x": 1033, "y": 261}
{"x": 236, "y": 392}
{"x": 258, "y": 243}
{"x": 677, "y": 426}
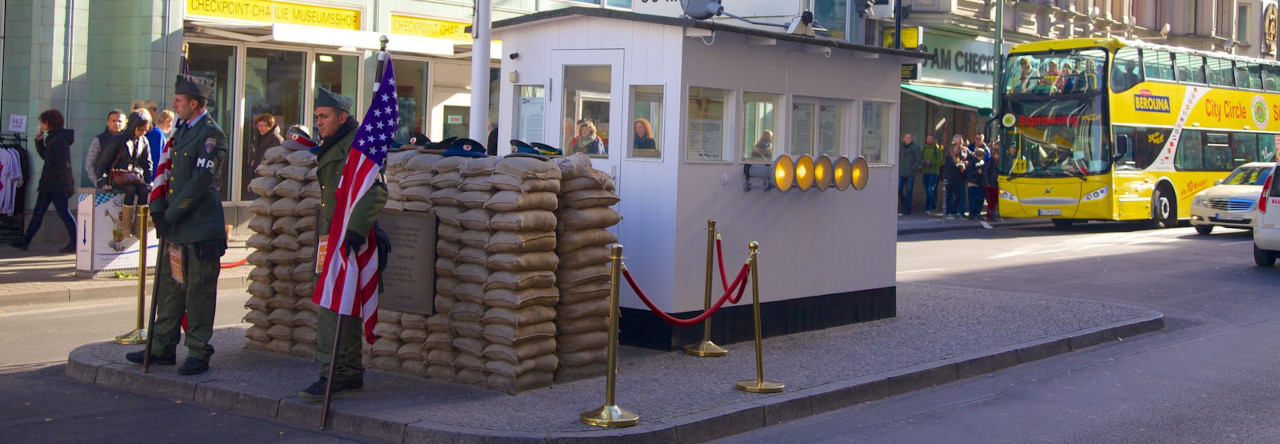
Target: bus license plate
{"x": 1049, "y": 212}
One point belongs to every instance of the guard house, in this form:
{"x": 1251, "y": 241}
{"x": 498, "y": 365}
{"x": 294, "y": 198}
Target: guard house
{"x": 680, "y": 107}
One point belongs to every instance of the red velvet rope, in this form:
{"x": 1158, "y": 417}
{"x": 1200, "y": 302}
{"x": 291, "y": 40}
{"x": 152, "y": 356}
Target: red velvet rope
{"x": 723, "y": 281}
{"x": 739, "y": 284}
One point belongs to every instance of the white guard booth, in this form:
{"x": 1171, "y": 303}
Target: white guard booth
{"x": 709, "y": 91}
{"x": 100, "y": 246}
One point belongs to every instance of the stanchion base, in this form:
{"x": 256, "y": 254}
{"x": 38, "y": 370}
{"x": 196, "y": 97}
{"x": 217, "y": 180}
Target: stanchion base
{"x": 705, "y": 349}
{"x": 609, "y": 416}
{"x": 136, "y": 337}
{"x": 757, "y": 386}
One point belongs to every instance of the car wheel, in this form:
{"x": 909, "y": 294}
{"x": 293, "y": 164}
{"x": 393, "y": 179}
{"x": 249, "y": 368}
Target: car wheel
{"x": 1164, "y": 210}
{"x": 1264, "y": 258}
{"x": 1204, "y": 229}
{"x": 1063, "y": 223}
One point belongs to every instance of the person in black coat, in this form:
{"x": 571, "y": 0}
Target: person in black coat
{"x": 53, "y": 143}
{"x": 130, "y": 151}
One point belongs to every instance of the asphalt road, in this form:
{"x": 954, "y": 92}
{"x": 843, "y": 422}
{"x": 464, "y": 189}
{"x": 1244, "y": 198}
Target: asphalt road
{"x": 1212, "y": 376}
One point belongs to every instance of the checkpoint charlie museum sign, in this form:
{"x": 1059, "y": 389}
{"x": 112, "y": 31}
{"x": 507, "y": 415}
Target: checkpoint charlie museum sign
{"x": 958, "y": 60}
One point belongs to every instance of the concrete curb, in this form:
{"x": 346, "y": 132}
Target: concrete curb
{"x": 706, "y": 425}
{"x": 108, "y": 290}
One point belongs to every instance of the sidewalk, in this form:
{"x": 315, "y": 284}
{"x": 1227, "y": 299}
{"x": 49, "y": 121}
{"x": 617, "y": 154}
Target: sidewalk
{"x": 42, "y": 275}
{"x": 941, "y": 334}
{"x": 918, "y": 222}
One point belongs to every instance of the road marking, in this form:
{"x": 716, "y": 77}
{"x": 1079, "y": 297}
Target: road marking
{"x": 1237, "y": 243}
{"x": 920, "y": 271}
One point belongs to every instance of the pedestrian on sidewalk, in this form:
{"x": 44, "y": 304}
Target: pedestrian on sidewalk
{"x": 953, "y": 176}
{"x": 128, "y": 151}
{"x": 189, "y": 218}
{"x": 975, "y": 178}
{"x": 908, "y": 166}
{"x": 53, "y": 144}
{"x": 932, "y": 154}
{"x": 337, "y": 130}
{"x": 992, "y": 174}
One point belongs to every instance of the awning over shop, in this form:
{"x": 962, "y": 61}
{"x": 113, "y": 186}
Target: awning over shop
{"x": 950, "y": 96}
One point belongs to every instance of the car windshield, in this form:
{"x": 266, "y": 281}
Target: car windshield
{"x": 1248, "y": 175}
{"x": 1077, "y": 71}
{"x": 1057, "y": 137}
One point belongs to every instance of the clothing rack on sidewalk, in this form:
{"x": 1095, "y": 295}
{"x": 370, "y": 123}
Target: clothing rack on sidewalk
{"x": 15, "y": 174}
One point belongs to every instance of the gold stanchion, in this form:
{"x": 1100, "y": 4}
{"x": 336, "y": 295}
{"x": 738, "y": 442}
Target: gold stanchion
{"x": 706, "y": 348}
{"x": 758, "y": 385}
{"x": 611, "y": 415}
{"x": 139, "y": 334}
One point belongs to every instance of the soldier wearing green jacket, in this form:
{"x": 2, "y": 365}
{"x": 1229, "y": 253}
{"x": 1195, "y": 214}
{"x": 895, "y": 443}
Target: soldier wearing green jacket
{"x": 337, "y": 130}
{"x": 189, "y": 219}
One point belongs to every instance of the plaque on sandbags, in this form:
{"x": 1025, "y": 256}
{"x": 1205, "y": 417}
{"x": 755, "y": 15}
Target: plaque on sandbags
{"x": 408, "y": 283}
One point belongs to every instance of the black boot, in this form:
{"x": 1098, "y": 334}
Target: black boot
{"x": 21, "y": 245}
{"x": 193, "y": 366}
{"x": 136, "y": 358}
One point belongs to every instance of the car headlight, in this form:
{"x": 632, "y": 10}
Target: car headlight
{"x": 1200, "y": 201}
{"x": 1005, "y": 195}
{"x": 1095, "y": 194}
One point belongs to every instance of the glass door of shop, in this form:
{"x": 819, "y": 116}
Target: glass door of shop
{"x": 274, "y": 86}
{"x": 412, "y": 86}
{"x": 218, "y": 63}
{"x": 587, "y": 96}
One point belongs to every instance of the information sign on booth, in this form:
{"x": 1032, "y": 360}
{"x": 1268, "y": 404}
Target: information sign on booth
{"x": 100, "y": 244}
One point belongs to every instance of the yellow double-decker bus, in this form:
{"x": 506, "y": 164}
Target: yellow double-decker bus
{"x": 1109, "y": 129}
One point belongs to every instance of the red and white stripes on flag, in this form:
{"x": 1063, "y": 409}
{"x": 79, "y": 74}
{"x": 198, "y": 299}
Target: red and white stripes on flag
{"x": 348, "y": 284}
{"x": 160, "y": 181}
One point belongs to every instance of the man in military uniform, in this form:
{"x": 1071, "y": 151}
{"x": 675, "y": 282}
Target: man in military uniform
{"x": 189, "y": 219}
{"x": 337, "y": 130}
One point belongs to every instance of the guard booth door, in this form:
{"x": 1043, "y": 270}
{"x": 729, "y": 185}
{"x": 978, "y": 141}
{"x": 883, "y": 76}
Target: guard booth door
{"x": 587, "y": 90}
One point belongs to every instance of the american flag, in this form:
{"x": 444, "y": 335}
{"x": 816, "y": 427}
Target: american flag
{"x": 344, "y": 280}
{"x": 160, "y": 180}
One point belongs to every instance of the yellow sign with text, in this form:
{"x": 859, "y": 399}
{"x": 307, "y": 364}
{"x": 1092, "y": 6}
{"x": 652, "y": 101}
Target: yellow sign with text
{"x": 270, "y": 11}
{"x": 425, "y": 27}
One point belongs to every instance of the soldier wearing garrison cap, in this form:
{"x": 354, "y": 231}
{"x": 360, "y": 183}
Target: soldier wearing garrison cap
{"x": 189, "y": 219}
{"x": 337, "y": 130}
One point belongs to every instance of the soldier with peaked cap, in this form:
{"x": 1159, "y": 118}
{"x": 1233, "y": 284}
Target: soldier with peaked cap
{"x": 188, "y": 217}
{"x": 337, "y": 130}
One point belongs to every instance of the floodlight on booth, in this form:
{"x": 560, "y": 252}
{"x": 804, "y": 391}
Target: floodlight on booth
{"x": 822, "y": 172}
{"x": 804, "y": 172}
{"x": 859, "y": 173}
{"x": 781, "y": 174}
{"x": 841, "y": 173}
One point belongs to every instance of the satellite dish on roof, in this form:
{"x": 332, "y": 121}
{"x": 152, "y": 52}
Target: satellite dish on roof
{"x": 701, "y": 9}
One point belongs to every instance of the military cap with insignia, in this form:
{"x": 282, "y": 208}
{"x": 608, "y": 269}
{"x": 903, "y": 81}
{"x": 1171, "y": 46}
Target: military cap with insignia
{"x": 465, "y": 147}
{"x": 193, "y": 86}
{"x": 326, "y": 98}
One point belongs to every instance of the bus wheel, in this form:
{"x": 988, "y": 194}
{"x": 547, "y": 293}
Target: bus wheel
{"x": 1063, "y": 223}
{"x": 1164, "y": 210}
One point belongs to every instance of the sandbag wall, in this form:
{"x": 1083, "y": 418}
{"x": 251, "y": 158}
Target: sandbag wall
{"x": 500, "y": 252}
{"x": 282, "y": 281}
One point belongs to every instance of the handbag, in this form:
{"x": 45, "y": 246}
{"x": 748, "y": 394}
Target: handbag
{"x": 124, "y": 176}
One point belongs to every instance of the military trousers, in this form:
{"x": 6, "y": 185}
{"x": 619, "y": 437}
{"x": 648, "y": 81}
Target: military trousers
{"x": 197, "y": 301}
{"x": 349, "y": 365}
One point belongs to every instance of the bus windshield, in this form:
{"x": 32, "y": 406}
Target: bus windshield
{"x": 1054, "y": 137}
{"x": 1076, "y": 71}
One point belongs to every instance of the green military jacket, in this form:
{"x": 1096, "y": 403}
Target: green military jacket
{"x": 932, "y": 160}
{"x": 328, "y": 172}
{"x": 192, "y": 206}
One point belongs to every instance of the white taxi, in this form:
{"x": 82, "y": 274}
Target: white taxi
{"x": 1266, "y": 234}
{"x": 1232, "y": 202}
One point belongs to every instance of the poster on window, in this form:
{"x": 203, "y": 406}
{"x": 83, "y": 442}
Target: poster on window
{"x": 801, "y": 129}
{"x": 828, "y": 130}
{"x": 530, "y": 119}
{"x": 706, "y": 139}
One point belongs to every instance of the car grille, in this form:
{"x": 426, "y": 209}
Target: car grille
{"x": 1231, "y": 204}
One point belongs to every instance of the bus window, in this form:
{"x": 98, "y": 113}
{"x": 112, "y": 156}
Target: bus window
{"x": 1217, "y": 152}
{"x": 1219, "y": 72}
{"x": 1190, "y": 155}
{"x": 1126, "y": 163}
{"x": 1157, "y": 64}
{"x": 1248, "y": 75}
{"x": 1051, "y": 74}
{"x": 1244, "y": 148}
{"x": 1125, "y": 70}
{"x": 1268, "y": 144}
{"x": 1147, "y": 145}
{"x": 1271, "y": 78}
{"x": 1190, "y": 68}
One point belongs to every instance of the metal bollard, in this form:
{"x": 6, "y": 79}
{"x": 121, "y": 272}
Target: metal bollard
{"x": 139, "y": 334}
{"x": 706, "y": 348}
{"x": 758, "y": 385}
{"x": 611, "y": 415}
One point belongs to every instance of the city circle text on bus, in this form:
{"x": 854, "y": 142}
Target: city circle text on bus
{"x": 1226, "y": 109}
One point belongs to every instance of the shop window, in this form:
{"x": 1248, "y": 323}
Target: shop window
{"x": 457, "y": 121}
{"x": 530, "y": 113}
{"x": 759, "y": 127}
{"x": 877, "y": 131}
{"x": 705, "y": 134}
{"x": 273, "y": 84}
{"x": 411, "y": 98}
{"x": 218, "y": 63}
{"x": 586, "y": 109}
{"x": 646, "y": 122}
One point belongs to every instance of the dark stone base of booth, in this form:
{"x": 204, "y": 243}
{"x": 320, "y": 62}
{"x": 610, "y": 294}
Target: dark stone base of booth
{"x": 641, "y": 328}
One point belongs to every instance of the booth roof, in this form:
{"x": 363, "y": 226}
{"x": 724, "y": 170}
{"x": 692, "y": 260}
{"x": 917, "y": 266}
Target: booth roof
{"x": 701, "y": 24}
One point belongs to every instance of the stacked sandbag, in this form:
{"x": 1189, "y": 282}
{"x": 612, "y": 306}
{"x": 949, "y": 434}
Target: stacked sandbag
{"x": 519, "y": 294}
{"x": 439, "y": 348}
{"x": 470, "y": 271}
{"x": 409, "y": 175}
{"x": 583, "y": 239}
{"x": 284, "y": 223}
{"x": 383, "y": 354}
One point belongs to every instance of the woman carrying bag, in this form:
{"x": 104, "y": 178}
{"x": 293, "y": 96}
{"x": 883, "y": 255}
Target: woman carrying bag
{"x": 126, "y": 162}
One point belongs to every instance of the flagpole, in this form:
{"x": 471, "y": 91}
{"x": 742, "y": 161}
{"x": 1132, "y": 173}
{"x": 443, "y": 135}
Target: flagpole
{"x": 337, "y": 330}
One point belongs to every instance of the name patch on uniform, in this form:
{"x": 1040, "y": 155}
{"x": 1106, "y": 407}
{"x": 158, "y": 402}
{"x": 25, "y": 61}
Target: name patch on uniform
{"x": 210, "y": 144}
{"x": 204, "y": 163}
